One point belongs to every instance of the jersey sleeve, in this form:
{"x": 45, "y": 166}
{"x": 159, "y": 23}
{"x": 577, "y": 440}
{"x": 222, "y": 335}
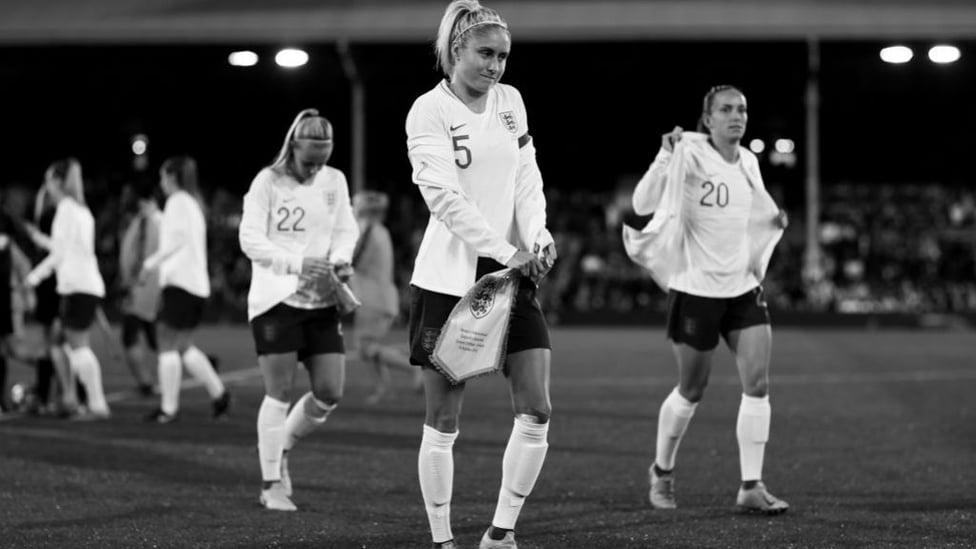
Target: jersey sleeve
{"x": 253, "y": 230}
{"x": 647, "y": 193}
{"x": 530, "y": 201}
{"x": 346, "y": 231}
{"x": 429, "y": 146}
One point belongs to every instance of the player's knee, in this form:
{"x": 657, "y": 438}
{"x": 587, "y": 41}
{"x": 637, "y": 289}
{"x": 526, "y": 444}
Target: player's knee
{"x": 757, "y": 387}
{"x": 694, "y": 392}
{"x": 539, "y": 416}
{"x": 329, "y": 395}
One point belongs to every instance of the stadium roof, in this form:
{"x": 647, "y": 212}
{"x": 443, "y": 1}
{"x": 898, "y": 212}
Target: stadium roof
{"x": 295, "y": 21}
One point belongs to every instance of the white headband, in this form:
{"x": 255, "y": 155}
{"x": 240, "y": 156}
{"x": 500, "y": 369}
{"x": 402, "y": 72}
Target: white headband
{"x": 478, "y": 24}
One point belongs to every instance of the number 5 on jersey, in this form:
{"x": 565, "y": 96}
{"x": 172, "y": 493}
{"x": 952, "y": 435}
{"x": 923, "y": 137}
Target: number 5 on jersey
{"x": 466, "y": 152}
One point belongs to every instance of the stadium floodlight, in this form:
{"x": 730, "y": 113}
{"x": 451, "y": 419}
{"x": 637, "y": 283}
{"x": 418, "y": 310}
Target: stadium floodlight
{"x": 896, "y": 54}
{"x": 785, "y": 146}
{"x": 291, "y": 58}
{"x": 757, "y": 146}
{"x": 943, "y": 54}
{"x": 140, "y": 143}
{"x": 243, "y": 58}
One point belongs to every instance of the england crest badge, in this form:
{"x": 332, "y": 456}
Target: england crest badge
{"x": 509, "y": 121}
{"x": 484, "y": 299}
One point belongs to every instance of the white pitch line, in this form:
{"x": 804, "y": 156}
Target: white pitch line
{"x": 781, "y": 379}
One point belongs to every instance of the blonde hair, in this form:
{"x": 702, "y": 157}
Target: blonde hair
{"x": 460, "y": 17}
{"x": 307, "y": 125}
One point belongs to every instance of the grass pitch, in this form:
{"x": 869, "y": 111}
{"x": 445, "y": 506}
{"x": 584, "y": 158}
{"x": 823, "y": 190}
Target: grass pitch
{"x": 873, "y": 444}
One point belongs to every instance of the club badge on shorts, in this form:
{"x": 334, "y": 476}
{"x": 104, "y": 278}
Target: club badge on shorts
{"x": 428, "y": 338}
{"x": 509, "y": 121}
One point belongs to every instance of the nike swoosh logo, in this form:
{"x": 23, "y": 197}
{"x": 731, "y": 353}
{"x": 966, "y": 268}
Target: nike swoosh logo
{"x": 292, "y": 199}
{"x": 458, "y": 127}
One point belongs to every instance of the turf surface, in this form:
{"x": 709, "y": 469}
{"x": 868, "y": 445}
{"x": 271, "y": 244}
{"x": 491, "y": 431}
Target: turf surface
{"x": 873, "y": 444}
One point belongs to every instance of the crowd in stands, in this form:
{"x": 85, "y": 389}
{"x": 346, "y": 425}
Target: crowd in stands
{"x": 908, "y": 248}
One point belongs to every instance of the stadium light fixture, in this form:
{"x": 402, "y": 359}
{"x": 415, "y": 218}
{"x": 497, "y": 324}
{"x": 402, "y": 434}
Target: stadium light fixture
{"x": 291, "y": 58}
{"x": 785, "y": 146}
{"x": 140, "y": 144}
{"x": 896, "y": 54}
{"x": 243, "y": 58}
{"x": 757, "y": 146}
{"x": 943, "y": 54}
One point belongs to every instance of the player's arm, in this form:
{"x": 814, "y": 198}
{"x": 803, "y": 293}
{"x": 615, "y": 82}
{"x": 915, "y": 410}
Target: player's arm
{"x": 432, "y": 157}
{"x": 530, "y": 200}
{"x": 253, "y": 230}
{"x": 62, "y": 228}
{"x": 176, "y": 234}
{"x": 648, "y": 192}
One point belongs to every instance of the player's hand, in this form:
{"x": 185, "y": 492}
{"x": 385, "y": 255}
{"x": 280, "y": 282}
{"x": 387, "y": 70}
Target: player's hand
{"x": 32, "y": 280}
{"x": 548, "y": 255}
{"x": 316, "y": 266}
{"x": 781, "y": 220}
{"x": 344, "y": 271}
{"x": 527, "y": 263}
{"x": 670, "y": 139}
{"x": 143, "y": 276}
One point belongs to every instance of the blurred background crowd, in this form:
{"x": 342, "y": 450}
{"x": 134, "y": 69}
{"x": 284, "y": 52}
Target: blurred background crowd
{"x": 905, "y": 248}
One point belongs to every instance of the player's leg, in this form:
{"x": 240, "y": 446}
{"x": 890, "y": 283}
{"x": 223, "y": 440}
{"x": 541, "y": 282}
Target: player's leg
{"x": 134, "y": 356}
{"x": 197, "y": 363}
{"x": 78, "y": 319}
{"x": 525, "y": 453}
{"x": 435, "y": 460}
{"x": 692, "y": 327}
{"x": 749, "y": 336}
{"x": 278, "y": 371}
{"x": 527, "y": 367}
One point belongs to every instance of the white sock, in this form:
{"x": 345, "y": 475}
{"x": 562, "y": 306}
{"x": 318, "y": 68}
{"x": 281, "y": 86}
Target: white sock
{"x": 435, "y": 466}
{"x": 199, "y": 367}
{"x": 752, "y": 430}
{"x": 306, "y": 415}
{"x": 672, "y": 422}
{"x": 271, "y": 437}
{"x": 524, "y": 456}
{"x": 170, "y": 374}
{"x": 85, "y": 364}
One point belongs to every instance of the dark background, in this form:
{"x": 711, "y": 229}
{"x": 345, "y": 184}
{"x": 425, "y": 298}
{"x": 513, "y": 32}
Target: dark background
{"x": 596, "y": 109}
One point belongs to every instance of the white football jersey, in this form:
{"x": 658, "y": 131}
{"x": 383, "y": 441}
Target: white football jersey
{"x": 285, "y": 221}
{"x": 72, "y": 254}
{"x": 182, "y": 253}
{"x": 716, "y": 207}
{"x": 491, "y": 202}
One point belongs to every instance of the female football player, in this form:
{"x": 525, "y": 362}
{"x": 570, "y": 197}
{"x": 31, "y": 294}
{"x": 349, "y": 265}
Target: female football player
{"x": 181, "y": 260}
{"x": 474, "y": 164}
{"x": 725, "y": 228}
{"x": 299, "y": 232}
{"x": 80, "y": 284}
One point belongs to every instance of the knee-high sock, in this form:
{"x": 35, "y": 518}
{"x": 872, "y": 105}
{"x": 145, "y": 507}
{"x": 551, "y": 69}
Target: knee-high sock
{"x": 199, "y": 366}
{"x": 170, "y": 374}
{"x": 672, "y": 422}
{"x": 752, "y": 430}
{"x": 85, "y": 364}
{"x": 435, "y": 466}
{"x": 271, "y": 437}
{"x": 306, "y": 415}
{"x": 524, "y": 456}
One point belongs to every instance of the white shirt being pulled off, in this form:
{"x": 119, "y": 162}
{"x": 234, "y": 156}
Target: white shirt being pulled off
{"x": 285, "y": 221}
{"x": 182, "y": 254}
{"x": 713, "y": 230}
{"x": 478, "y": 175}
{"x": 72, "y": 253}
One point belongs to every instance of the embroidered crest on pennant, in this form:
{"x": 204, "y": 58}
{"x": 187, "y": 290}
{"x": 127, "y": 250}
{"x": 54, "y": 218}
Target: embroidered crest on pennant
{"x": 428, "y": 338}
{"x": 509, "y": 121}
{"x": 484, "y": 300}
